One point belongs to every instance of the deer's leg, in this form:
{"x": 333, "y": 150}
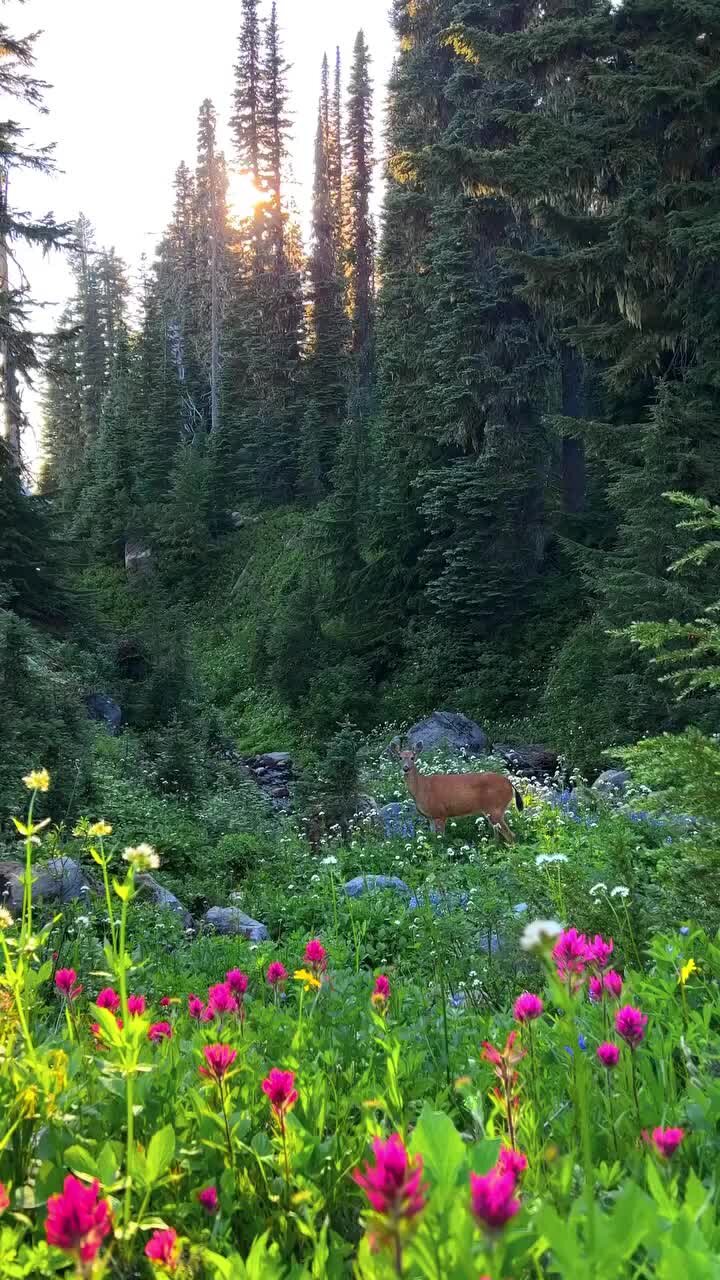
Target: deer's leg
{"x": 439, "y": 826}
{"x": 503, "y": 828}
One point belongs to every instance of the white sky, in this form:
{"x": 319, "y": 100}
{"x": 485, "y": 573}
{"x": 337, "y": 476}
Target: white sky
{"x": 127, "y": 79}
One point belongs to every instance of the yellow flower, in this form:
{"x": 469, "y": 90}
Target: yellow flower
{"x": 686, "y": 970}
{"x": 142, "y": 857}
{"x": 308, "y": 979}
{"x": 37, "y": 780}
{"x": 100, "y": 829}
{"x": 6, "y": 920}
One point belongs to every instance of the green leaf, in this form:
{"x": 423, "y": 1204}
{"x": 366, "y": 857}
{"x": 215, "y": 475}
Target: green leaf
{"x": 107, "y": 1165}
{"x": 438, "y": 1142}
{"x": 80, "y": 1161}
{"x": 160, "y": 1153}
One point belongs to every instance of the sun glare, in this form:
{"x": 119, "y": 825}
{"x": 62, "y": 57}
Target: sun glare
{"x": 243, "y": 195}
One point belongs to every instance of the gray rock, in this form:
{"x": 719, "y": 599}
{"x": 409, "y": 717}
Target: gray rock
{"x": 530, "y": 759}
{"x": 371, "y": 884}
{"x": 399, "y": 818}
{"x": 612, "y": 782}
{"x": 441, "y": 903}
{"x": 138, "y": 557}
{"x": 59, "y": 880}
{"x": 162, "y": 897}
{"x": 104, "y": 709}
{"x": 450, "y": 728}
{"x": 274, "y": 759}
{"x": 233, "y": 921}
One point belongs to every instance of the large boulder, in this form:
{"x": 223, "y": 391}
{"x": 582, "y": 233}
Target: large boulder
{"x": 528, "y": 759}
{"x": 104, "y": 709}
{"x": 138, "y": 557}
{"x": 448, "y": 728}
{"x": 372, "y": 884}
{"x": 399, "y": 818}
{"x": 59, "y": 880}
{"x": 151, "y": 888}
{"x": 612, "y": 782}
{"x": 231, "y": 920}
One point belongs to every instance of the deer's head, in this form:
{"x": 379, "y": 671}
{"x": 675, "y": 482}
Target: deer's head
{"x": 408, "y": 758}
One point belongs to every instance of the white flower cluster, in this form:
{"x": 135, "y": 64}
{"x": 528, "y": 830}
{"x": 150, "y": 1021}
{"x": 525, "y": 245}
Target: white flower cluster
{"x": 543, "y": 859}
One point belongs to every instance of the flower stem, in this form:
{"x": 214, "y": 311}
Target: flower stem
{"x": 633, "y": 1077}
{"x": 228, "y": 1138}
{"x": 27, "y": 887}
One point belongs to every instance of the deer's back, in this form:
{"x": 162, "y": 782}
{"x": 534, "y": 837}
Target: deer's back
{"x": 459, "y": 795}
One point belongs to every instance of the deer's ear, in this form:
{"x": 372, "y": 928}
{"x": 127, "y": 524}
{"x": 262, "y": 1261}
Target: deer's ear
{"x": 417, "y": 748}
{"x": 394, "y": 747}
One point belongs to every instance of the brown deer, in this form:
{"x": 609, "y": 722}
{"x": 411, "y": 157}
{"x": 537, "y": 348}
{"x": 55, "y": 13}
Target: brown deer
{"x": 441, "y": 796}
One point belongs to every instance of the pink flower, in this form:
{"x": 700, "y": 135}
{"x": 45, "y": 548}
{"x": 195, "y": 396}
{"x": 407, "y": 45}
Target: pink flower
{"x": 630, "y": 1025}
{"x": 528, "y": 1007}
{"x": 163, "y": 1249}
{"x": 380, "y": 997}
{"x": 206, "y": 1014}
{"x": 382, "y": 987}
{"x": 108, "y": 999}
{"x": 237, "y": 981}
{"x": 160, "y": 1031}
{"x": 595, "y": 990}
{"x": 280, "y": 1089}
{"x": 608, "y": 1053}
{"x": 600, "y": 951}
{"x": 276, "y": 973}
{"x": 511, "y": 1161}
{"x": 492, "y": 1198}
{"x": 316, "y": 955}
{"x": 77, "y": 1221}
{"x": 219, "y": 1058}
{"x": 195, "y": 1006}
{"x": 165, "y": 1002}
{"x": 571, "y": 953}
{"x": 667, "y": 1141}
{"x": 4, "y": 1198}
{"x": 66, "y": 984}
{"x": 209, "y": 1200}
{"x": 613, "y": 983}
{"x": 393, "y": 1185}
{"x": 221, "y": 999}
{"x": 136, "y": 1005}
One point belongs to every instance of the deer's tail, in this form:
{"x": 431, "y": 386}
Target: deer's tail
{"x": 518, "y": 800}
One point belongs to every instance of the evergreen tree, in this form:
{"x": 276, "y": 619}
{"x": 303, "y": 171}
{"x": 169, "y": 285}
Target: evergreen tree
{"x": 247, "y": 118}
{"x": 274, "y": 131}
{"x": 327, "y": 327}
{"x": 361, "y": 233}
{"x": 211, "y": 269}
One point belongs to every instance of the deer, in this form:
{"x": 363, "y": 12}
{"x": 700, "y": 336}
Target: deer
{"x": 441, "y": 796}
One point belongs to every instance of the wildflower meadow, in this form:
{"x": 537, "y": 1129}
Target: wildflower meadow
{"x": 212, "y": 1108}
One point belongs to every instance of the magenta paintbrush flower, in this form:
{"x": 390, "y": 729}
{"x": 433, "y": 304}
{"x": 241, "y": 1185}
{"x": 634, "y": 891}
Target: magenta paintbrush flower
{"x": 492, "y": 1198}
{"x": 630, "y": 1025}
{"x": 163, "y": 1249}
{"x": 393, "y": 1185}
{"x": 77, "y": 1220}
{"x": 237, "y": 981}
{"x": 279, "y": 1086}
{"x": 528, "y": 1007}
{"x": 277, "y": 973}
{"x": 380, "y": 997}
{"x": 209, "y": 1199}
{"x": 316, "y": 955}
{"x": 571, "y": 953}
{"x": 67, "y": 984}
{"x": 108, "y": 999}
{"x": 667, "y": 1141}
{"x": 136, "y": 1005}
{"x": 595, "y": 990}
{"x": 600, "y": 951}
{"x": 613, "y": 983}
{"x": 511, "y": 1161}
{"x": 160, "y": 1031}
{"x": 608, "y": 1054}
{"x": 195, "y": 1007}
{"x": 221, "y": 999}
{"x": 218, "y": 1061}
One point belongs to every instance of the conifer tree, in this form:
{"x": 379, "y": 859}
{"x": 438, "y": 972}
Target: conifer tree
{"x": 247, "y": 118}
{"x": 361, "y": 233}
{"x": 211, "y": 260}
